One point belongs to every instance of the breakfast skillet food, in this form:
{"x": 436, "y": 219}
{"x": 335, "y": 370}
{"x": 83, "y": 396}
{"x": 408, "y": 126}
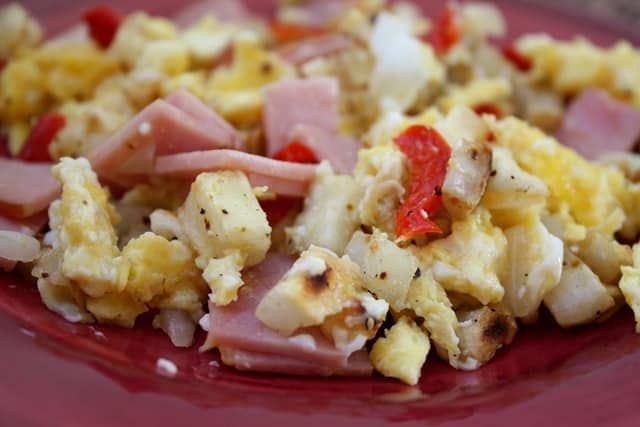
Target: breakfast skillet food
{"x": 332, "y": 192}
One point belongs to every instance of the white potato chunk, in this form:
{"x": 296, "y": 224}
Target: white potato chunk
{"x": 404, "y": 65}
{"x": 533, "y": 267}
{"x": 604, "y": 255}
{"x": 387, "y": 269}
{"x": 630, "y": 285}
{"x": 510, "y": 187}
{"x": 222, "y": 216}
{"x": 329, "y": 216}
{"x": 318, "y": 285}
{"x": 226, "y": 226}
{"x": 466, "y": 178}
{"x": 580, "y": 297}
{"x": 401, "y": 352}
{"x": 482, "y": 333}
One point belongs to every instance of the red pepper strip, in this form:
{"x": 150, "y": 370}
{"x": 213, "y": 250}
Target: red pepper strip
{"x": 103, "y": 22}
{"x": 36, "y": 148}
{"x": 445, "y": 32}
{"x": 517, "y": 59}
{"x": 278, "y": 208}
{"x": 4, "y": 146}
{"x": 285, "y": 32}
{"x": 296, "y": 152}
{"x": 428, "y": 155}
{"x": 488, "y": 109}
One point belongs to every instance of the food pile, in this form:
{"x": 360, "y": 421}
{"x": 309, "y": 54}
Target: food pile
{"x": 344, "y": 188}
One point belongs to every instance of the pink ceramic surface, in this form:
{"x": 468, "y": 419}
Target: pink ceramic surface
{"x": 53, "y": 373}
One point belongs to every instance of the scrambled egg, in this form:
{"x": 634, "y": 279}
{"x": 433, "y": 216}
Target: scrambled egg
{"x": 19, "y": 30}
{"x": 589, "y": 191}
{"x": 236, "y": 90}
{"x": 36, "y": 79}
{"x": 469, "y": 259}
{"x": 401, "y": 352}
{"x": 85, "y": 231}
{"x": 572, "y": 66}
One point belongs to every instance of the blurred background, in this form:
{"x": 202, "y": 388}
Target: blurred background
{"x": 619, "y": 16}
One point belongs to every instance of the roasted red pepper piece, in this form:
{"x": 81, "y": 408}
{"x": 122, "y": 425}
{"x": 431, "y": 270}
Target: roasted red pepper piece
{"x": 488, "y": 109}
{"x": 36, "y": 148}
{"x": 103, "y": 22}
{"x": 445, "y": 32}
{"x": 518, "y": 60}
{"x": 278, "y": 208}
{"x": 428, "y": 155}
{"x": 285, "y": 32}
{"x": 296, "y": 152}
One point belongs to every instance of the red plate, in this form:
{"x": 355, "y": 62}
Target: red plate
{"x": 53, "y": 373}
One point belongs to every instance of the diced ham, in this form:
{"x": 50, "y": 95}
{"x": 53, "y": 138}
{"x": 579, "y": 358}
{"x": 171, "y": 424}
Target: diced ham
{"x": 358, "y": 364}
{"x": 30, "y": 225}
{"x": 224, "y": 10}
{"x": 180, "y": 123}
{"x": 297, "y": 53}
{"x": 26, "y": 188}
{"x": 321, "y": 13}
{"x": 286, "y": 178}
{"x": 595, "y": 123}
{"x": 292, "y": 102}
{"x": 236, "y": 326}
{"x": 341, "y": 151}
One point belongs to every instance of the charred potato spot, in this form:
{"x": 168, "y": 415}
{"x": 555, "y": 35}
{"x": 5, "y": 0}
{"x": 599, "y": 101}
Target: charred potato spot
{"x": 319, "y": 283}
{"x": 484, "y": 331}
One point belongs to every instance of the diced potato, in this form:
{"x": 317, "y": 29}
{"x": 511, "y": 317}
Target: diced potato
{"x": 318, "y": 285}
{"x": 404, "y": 65}
{"x": 167, "y": 225}
{"x": 510, "y": 187}
{"x": 466, "y": 178}
{"x": 221, "y": 216}
{"x": 469, "y": 259}
{"x": 86, "y": 233}
{"x": 329, "y": 217}
{"x": 387, "y": 269}
{"x": 604, "y": 256}
{"x": 227, "y": 227}
{"x": 380, "y": 171}
{"x": 482, "y": 333}
{"x": 630, "y": 285}
{"x": 430, "y": 301}
{"x": 402, "y": 352}
{"x": 580, "y": 297}
{"x": 533, "y": 267}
